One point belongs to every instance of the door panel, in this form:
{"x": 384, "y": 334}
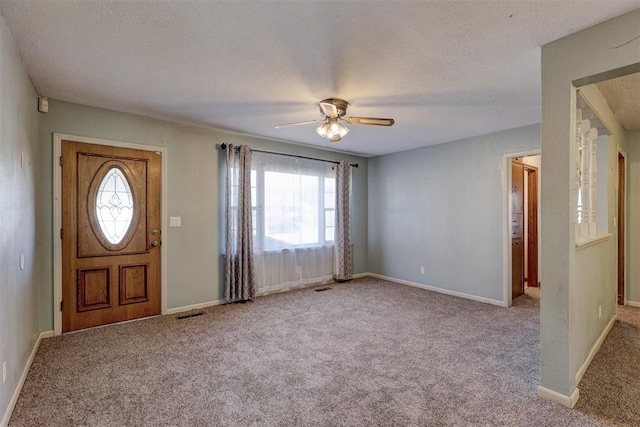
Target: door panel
{"x": 134, "y": 286}
{"x": 517, "y": 228}
{"x": 93, "y": 289}
{"x": 532, "y": 226}
{"x": 621, "y": 226}
{"x": 517, "y": 271}
{"x": 110, "y": 234}
{"x": 94, "y": 169}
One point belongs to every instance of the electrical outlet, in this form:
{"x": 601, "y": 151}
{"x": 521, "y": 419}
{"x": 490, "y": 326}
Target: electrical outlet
{"x": 4, "y": 372}
{"x": 599, "y": 312}
{"x": 421, "y": 270}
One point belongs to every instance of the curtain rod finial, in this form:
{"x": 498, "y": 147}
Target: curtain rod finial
{"x": 223, "y": 146}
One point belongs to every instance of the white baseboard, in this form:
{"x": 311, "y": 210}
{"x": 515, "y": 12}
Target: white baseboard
{"x": 23, "y": 377}
{"x": 194, "y": 306}
{"x": 632, "y": 303}
{"x": 439, "y": 290}
{"x": 360, "y": 275}
{"x": 554, "y": 396}
{"x": 595, "y": 348}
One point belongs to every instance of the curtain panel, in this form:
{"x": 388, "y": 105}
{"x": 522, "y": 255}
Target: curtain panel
{"x": 239, "y": 260}
{"x": 343, "y": 256}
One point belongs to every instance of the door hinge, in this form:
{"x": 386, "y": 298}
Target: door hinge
{"x": 61, "y": 161}
{"x": 61, "y": 234}
{"x": 60, "y": 305}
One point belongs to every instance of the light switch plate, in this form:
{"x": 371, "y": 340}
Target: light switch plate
{"x": 175, "y": 221}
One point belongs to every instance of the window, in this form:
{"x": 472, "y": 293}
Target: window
{"x": 293, "y": 220}
{"x": 329, "y": 208}
{"x": 114, "y": 205}
{"x": 293, "y": 202}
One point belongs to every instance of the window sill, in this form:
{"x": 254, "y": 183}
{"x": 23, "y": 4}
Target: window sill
{"x": 592, "y": 241}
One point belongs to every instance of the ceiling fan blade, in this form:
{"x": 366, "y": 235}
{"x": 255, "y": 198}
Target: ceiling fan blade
{"x": 290, "y": 125}
{"x": 329, "y": 110}
{"x": 370, "y": 121}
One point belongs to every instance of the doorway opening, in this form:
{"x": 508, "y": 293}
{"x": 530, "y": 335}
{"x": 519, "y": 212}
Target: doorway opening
{"x": 531, "y": 186}
{"x": 130, "y": 293}
{"x": 621, "y": 229}
{"x": 522, "y": 230}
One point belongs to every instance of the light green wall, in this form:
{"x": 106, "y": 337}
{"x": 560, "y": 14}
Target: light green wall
{"x": 18, "y": 203}
{"x": 586, "y": 53}
{"x": 441, "y": 207}
{"x": 633, "y": 218}
{"x": 195, "y": 193}
{"x": 596, "y": 268}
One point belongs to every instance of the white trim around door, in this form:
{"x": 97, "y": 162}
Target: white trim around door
{"x": 616, "y": 224}
{"x": 57, "y": 217}
{"x": 506, "y": 221}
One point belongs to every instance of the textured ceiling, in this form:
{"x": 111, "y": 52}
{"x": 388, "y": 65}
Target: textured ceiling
{"x": 444, "y": 70}
{"x": 623, "y": 96}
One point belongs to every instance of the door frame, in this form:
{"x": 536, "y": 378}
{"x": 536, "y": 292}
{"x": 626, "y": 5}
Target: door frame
{"x": 620, "y": 152}
{"x": 57, "y": 217}
{"x": 528, "y": 171}
{"x": 506, "y": 221}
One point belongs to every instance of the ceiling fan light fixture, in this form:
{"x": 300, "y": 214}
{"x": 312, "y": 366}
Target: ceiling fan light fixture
{"x": 332, "y": 130}
{"x": 333, "y": 112}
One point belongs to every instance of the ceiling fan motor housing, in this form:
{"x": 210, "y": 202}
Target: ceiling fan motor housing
{"x": 340, "y": 104}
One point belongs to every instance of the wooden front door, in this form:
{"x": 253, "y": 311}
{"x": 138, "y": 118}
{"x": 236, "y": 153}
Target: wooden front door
{"x": 110, "y": 234}
{"x": 517, "y": 228}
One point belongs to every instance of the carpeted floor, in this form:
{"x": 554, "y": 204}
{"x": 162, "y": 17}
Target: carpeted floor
{"x": 610, "y": 389}
{"x": 365, "y": 353}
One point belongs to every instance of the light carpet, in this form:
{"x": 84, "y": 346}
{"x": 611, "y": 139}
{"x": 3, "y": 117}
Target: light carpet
{"x": 610, "y": 389}
{"x": 365, "y": 353}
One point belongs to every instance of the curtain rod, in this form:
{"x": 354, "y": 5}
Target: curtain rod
{"x": 355, "y": 165}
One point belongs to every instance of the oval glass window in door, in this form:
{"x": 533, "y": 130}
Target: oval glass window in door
{"x": 114, "y": 205}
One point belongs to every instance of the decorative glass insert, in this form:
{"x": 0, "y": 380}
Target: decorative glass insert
{"x": 114, "y": 205}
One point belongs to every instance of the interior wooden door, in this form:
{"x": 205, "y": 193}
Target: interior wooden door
{"x": 621, "y": 226}
{"x": 532, "y": 225}
{"x": 110, "y": 234}
{"x": 517, "y": 228}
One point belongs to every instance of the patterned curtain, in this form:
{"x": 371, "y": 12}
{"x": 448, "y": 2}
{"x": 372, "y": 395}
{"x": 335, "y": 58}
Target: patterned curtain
{"x": 239, "y": 267}
{"x": 342, "y": 247}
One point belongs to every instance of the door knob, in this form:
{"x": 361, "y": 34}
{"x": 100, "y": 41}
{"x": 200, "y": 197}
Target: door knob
{"x": 155, "y": 244}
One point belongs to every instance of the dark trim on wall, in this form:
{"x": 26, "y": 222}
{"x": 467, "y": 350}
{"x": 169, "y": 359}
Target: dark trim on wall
{"x": 608, "y": 75}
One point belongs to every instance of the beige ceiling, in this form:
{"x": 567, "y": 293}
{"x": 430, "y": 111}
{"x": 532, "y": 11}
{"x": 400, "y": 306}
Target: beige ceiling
{"x": 444, "y": 70}
{"x": 623, "y": 96}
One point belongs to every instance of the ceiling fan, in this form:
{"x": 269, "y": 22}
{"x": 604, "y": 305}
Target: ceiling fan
{"x": 333, "y": 110}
